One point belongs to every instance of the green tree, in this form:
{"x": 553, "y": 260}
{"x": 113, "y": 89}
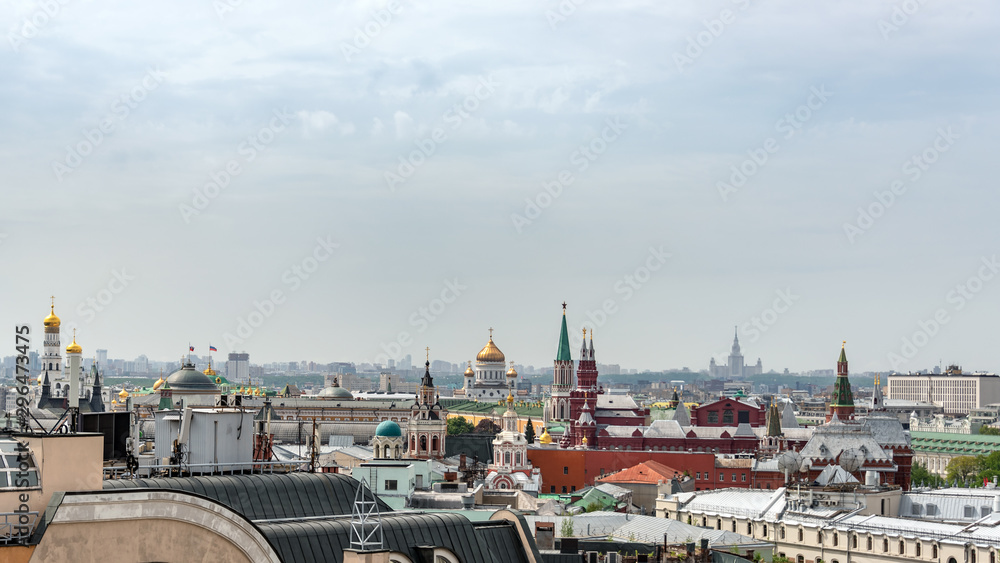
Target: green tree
{"x": 989, "y": 431}
{"x": 529, "y": 432}
{"x": 919, "y": 475}
{"x": 459, "y": 425}
{"x": 566, "y": 529}
{"x": 962, "y": 468}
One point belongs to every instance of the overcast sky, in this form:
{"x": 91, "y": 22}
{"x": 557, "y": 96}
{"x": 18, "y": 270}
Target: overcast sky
{"x": 344, "y": 167}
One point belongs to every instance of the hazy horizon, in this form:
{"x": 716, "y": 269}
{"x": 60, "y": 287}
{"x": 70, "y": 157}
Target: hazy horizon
{"x": 375, "y": 176}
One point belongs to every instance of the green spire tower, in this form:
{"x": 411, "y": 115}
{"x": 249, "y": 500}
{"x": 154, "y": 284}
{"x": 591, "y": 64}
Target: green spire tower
{"x": 842, "y": 402}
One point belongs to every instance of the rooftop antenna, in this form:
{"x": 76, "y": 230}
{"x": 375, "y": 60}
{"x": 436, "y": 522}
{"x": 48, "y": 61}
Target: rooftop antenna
{"x": 366, "y": 521}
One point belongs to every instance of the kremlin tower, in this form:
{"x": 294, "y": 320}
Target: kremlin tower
{"x": 562, "y": 376}
{"x": 842, "y": 402}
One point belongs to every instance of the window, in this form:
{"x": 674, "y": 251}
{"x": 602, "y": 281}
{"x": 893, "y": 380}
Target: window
{"x": 390, "y": 484}
{"x": 869, "y": 543}
{"x": 552, "y": 488}
{"x": 749, "y": 528}
{"x": 836, "y": 539}
{"x": 743, "y": 477}
{"x": 506, "y": 458}
{"x": 713, "y": 417}
{"x": 564, "y": 489}
{"x": 734, "y": 524}
{"x": 565, "y": 470}
{"x": 800, "y": 536}
{"x": 734, "y": 477}
{"x": 970, "y": 511}
{"x": 782, "y": 532}
{"x": 819, "y": 538}
{"x": 698, "y": 475}
{"x": 765, "y": 530}
{"x": 572, "y": 489}
{"x": 902, "y": 547}
{"x": 934, "y": 551}
{"x": 917, "y": 548}
{"x": 854, "y": 541}
{"x": 11, "y": 474}
{"x": 885, "y": 545}
{"x": 727, "y": 416}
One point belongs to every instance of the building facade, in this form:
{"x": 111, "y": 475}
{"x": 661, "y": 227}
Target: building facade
{"x": 957, "y": 392}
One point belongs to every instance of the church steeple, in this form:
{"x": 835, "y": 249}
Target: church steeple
{"x": 736, "y": 341}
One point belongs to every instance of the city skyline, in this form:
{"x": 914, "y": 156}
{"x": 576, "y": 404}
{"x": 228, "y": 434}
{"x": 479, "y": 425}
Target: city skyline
{"x": 379, "y": 174}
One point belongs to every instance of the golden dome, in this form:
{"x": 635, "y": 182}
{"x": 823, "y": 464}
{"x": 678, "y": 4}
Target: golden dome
{"x": 469, "y": 372}
{"x": 490, "y": 353}
{"x": 545, "y": 438}
{"x": 52, "y": 320}
{"x": 123, "y": 394}
{"x": 510, "y": 398}
{"x": 40, "y": 379}
{"x": 114, "y": 401}
{"x": 73, "y": 348}
{"x": 159, "y": 383}
{"x": 512, "y": 372}
{"x": 209, "y": 371}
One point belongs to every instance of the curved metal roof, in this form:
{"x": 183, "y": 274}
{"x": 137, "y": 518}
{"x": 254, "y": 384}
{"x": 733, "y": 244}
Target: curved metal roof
{"x": 267, "y": 496}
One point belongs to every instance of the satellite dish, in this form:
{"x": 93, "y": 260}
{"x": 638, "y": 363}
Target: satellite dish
{"x": 789, "y": 462}
{"x": 851, "y": 460}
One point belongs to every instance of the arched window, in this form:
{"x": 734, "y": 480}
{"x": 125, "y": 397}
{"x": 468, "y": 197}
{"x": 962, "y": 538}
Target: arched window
{"x": 434, "y": 444}
{"x": 782, "y": 532}
{"x": 506, "y": 458}
{"x": 885, "y": 545}
{"x": 413, "y": 442}
{"x": 972, "y": 555}
{"x": 902, "y": 548}
{"x": 800, "y": 559}
{"x": 397, "y": 452}
{"x": 917, "y": 550}
{"x": 385, "y": 451}
{"x": 765, "y": 530}
{"x": 749, "y": 528}
{"x": 869, "y": 543}
{"x": 423, "y": 443}
{"x": 517, "y": 458}
{"x": 734, "y": 524}
{"x": 800, "y": 536}
{"x": 836, "y": 539}
{"x": 819, "y": 537}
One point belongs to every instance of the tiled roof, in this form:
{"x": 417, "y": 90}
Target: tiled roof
{"x": 646, "y": 472}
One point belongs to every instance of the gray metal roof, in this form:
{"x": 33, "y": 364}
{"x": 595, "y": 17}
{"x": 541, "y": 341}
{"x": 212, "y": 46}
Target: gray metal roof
{"x": 264, "y": 497}
{"x": 326, "y": 540}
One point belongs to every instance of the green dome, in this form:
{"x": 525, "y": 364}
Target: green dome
{"x": 388, "y": 429}
{"x": 189, "y": 379}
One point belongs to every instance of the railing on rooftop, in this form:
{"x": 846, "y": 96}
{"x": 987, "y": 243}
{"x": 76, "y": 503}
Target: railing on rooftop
{"x": 239, "y": 468}
{"x": 17, "y": 527}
